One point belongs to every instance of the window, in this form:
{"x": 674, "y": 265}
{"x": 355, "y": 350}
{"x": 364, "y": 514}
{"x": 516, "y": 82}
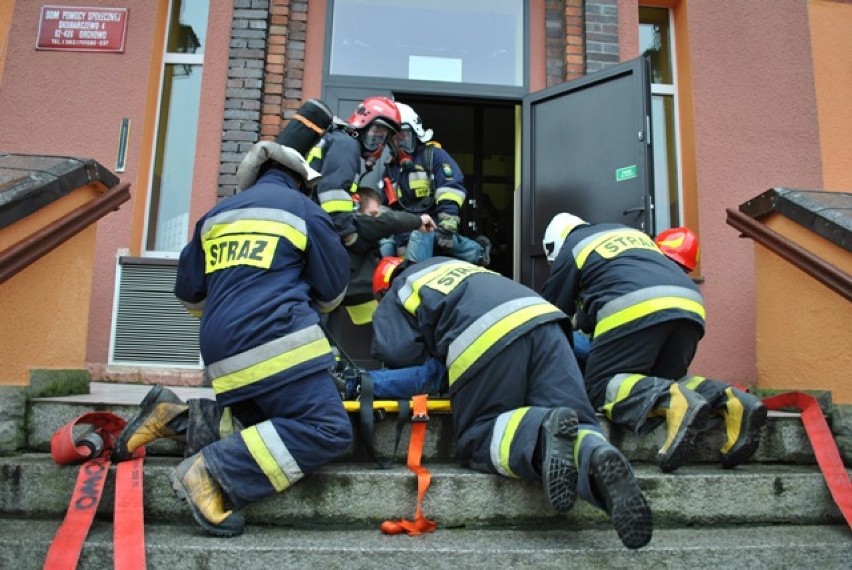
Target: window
{"x": 655, "y": 41}
{"x": 171, "y": 178}
{"x": 476, "y": 41}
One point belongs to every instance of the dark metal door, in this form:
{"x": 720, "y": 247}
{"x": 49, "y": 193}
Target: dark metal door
{"x": 586, "y": 150}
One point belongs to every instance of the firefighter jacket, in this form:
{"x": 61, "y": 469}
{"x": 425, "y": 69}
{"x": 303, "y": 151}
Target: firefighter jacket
{"x": 457, "y": 312}
{"x": 615, "y": 280}
{"x": 260, "y": 265}
{"x": 364, "y": 253}
{"x": 338, "y": 158}
{"x": 433, "y": 183}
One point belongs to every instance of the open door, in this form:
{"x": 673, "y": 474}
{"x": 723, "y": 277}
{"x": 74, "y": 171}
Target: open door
{"x": 586, "y": 150}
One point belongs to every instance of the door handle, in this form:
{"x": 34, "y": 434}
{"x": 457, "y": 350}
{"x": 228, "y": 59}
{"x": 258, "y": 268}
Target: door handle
{"x": 640, "y": 210}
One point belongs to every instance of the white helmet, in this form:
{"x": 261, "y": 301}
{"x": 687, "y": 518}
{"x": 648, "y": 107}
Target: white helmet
{"x": 557, "y": 230}
{"x": 413, "y": 120}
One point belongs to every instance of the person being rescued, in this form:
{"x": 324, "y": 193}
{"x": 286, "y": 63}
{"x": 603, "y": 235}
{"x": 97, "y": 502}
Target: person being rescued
{"x": 374, "y": 222}
{"x": 425, "y": 178}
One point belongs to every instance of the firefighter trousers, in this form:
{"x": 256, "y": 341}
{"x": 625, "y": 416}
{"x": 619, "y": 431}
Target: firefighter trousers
{"x": 630, "y": 376}
{"x": 290, "y": 431}
{"x": 499, "y": 410}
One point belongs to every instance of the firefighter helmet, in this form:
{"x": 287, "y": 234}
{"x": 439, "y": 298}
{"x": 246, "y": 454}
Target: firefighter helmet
{"x": 384, "y": 273}
{"x": 375, "y": 119}
{"x": 556, "y": 232}
{"x": 412, "y": 126}
{"x": 680, "y": 245}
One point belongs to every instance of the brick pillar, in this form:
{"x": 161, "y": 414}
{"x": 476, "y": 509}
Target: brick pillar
{"x": 265, "y": 71}
{"x": 601, "y": 34}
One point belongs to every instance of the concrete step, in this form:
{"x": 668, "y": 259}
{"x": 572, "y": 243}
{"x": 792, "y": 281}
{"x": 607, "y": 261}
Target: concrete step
{"x": 24, "y": 544}
{"x": 783, "y": 439}
{"x": 361, "y": 495}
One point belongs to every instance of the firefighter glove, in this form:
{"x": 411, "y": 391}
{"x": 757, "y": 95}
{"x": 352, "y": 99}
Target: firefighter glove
{"x": 448, "y": 225}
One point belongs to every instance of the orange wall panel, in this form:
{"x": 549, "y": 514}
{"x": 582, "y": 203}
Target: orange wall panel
{"x": 831, "y": 42}
{"x": 44, "y": 311}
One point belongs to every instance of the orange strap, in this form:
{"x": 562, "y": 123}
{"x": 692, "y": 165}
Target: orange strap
{"x": 823, "y": 444}
{"x": 420, "y": 524}
{"x": 129, "y": 526}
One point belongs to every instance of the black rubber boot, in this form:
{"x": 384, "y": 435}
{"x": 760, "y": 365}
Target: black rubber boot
{"x": 193, "y": 483}
{"x": 615, "y": 486}
{"x": 558, "y": 471}
{"x": 162, "y": 414}
{"x": 744, "y": 416}
{"x": 686, "y": 415}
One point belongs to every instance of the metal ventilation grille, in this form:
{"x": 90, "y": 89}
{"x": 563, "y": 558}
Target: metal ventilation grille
{"x": 151, "y": 326}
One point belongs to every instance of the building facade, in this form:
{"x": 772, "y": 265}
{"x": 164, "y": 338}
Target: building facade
{"x": 745, "y": 96}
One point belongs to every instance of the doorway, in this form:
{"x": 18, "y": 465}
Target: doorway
{"x": 480, "y": 136}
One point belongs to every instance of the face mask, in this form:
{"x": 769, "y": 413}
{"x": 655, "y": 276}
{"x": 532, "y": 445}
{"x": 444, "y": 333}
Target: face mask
{"x": 373, "y": 138}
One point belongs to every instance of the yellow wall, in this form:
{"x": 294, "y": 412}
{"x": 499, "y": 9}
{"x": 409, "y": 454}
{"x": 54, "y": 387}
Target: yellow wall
{"x": 831, "y": 45}
{"x": 44, "y": 308}
{"x": 804, "y": 329}
{"x": 6, "y": 9}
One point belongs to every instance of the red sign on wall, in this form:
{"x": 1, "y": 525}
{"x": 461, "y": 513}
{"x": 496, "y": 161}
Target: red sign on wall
{"x": 70, "y": 28}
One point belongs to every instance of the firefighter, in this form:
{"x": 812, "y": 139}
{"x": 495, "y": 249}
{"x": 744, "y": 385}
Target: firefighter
{"x": 260, "y": 268}
{"x": 645, "y": 317}
{"x": 426, "y": 178}
{"x": 517, "y": 397}
{"x": 339, "y": 154}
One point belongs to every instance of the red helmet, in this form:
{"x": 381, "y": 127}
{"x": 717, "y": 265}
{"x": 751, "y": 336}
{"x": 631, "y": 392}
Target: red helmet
{"x": 383, "y": 274}
{"x": 680, "y": 245}
{"x": 376, "y": 119}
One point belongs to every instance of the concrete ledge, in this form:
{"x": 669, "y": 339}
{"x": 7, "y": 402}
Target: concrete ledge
{"x": 363, "y": 496}
{"x": 23, "y": 545}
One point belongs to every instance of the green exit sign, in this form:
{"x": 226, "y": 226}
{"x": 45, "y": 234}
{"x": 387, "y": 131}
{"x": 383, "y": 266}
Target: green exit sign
{"x": 625, "y": 173}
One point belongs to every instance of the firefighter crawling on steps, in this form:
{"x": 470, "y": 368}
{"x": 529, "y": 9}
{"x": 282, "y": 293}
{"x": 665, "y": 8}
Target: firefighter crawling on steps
{"x": 517, "y": 395}
{"x": 645, "y": 317}
{"x": 260, "y": 268}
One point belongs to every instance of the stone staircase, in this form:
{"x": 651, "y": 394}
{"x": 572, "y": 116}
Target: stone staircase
{"x": 773, "y": 512}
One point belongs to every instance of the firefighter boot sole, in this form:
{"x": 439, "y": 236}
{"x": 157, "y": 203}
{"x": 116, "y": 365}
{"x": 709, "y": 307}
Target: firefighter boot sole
{"x": 681, "y": 447}
{"x": 558, "y": 472}
{"x": 626, "y": 504}
{"x": 233, "y": 525}
{"x": 156, "y": 395}
{"x": 753, "y": 420}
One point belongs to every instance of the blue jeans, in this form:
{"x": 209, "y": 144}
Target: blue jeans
{"x": 421, "y": 246}
{"x": 582, "y": 345}
{"x": 403, "y": 383}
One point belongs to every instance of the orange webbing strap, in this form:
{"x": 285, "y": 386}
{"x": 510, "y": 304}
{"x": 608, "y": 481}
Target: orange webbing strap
{"x": 420, "y": 524}
{"x": 64, "y": 551}
{"x": 823, "y": 444}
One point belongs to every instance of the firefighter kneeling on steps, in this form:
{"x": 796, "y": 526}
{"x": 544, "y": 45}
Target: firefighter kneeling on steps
{"x": 517, "y": 395}
{"x": 645, "y": 317}
{"x": 260, "y": 267}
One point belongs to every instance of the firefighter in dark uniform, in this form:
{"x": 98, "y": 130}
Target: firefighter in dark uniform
{"x": 645, "y": 317}
{"x": 517, "y": 397}
{"x": 338, "y": 157}
{"x": 260, "y": 268}
{"x": 426, "y": 178}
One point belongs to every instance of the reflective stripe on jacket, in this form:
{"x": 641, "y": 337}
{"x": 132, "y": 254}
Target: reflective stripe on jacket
{"x": 261, "y": 264}
{"x": 458, "y": 312}
{"x": 615, "y": 280}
